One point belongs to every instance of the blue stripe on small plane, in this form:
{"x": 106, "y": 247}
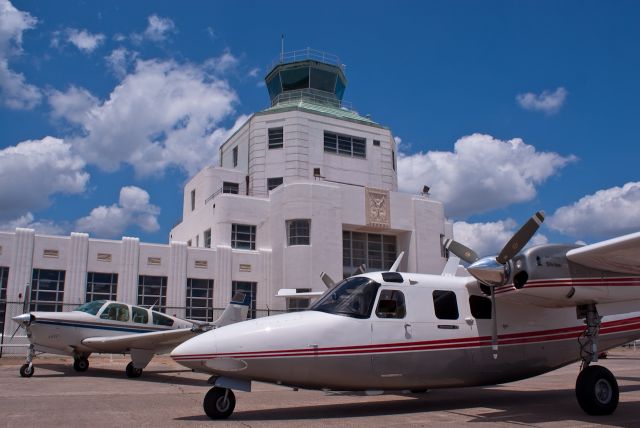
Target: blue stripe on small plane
{"x": 97, "y": 327}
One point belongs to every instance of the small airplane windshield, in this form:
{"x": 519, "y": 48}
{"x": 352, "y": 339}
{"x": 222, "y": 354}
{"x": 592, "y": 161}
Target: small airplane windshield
{"x": 91, "y": 307}
{"x": 352, "y": 297}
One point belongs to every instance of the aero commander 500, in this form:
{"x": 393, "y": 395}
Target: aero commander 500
{"x": 520, "y": 315}
{"x": 114, "y": 327}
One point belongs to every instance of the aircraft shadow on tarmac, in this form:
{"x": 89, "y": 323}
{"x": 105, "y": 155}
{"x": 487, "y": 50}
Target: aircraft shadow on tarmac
{"x": 156, "y": 376}
{"x": 525, "y": 407}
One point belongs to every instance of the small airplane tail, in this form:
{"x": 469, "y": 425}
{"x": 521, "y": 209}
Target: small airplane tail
{"x": 235, "y": 311}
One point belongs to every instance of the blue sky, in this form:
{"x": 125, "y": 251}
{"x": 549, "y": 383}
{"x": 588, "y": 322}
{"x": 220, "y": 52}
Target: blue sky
{"x": 503, "y": 108}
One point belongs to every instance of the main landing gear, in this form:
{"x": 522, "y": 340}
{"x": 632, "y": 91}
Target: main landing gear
{"x": 132, "y": 372}
{"x": 596, "y": 387}
{"x": 80, "y": 363}
{"x": 219, "y": 403}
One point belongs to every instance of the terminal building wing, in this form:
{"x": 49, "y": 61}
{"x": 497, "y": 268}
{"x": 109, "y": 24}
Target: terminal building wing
{"x": 305, "y": 186}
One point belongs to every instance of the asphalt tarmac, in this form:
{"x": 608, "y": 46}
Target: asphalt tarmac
{"x": 166, "y": 395}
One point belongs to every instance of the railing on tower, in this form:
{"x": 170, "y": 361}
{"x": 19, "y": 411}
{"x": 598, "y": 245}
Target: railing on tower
{"x": 307, "y": 54}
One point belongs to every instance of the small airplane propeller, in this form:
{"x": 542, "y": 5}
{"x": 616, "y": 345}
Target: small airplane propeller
{"x": 495, "y": 271}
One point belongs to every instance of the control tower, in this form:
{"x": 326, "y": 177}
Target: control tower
{"x": 305, "y": 186}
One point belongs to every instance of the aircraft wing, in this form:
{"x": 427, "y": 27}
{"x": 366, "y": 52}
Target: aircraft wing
{"x": 157, "y": 340}
{"x": 620, "y": 254}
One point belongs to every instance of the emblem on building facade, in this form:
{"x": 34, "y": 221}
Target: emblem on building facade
{"x": 377, "y": 208}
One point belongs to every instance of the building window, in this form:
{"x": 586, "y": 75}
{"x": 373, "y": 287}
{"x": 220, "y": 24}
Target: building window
{"x": 445, "y": 305}
{"x": 47, "y": 290}
{"x": 246, "y": 288}
{"x": 101, "y": 286}
{"x": 376, "y": 143}
{"x": 193, "y": 199}
{"x": 4, "y": 277}
{"x": 207, "y": 238}
{"x": 276, "y": 138}
{"x": 297, "y": 304}
{"x": 200, "y": 299}
{"x": 228, "y": 187}
{"x": 152, "y": 291}
{"x": 345, "y": 145}
{"x": 373, "y": 250}
{"x": 243, "y": 236}
{"x": 298, "y": 231}
{"x": 274, "y": 182}
{"x": 393, "y": 159}
{"x": 235, "y": 156}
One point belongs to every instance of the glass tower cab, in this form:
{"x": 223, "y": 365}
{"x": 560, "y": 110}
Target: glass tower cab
{"x": 307, "y": 75}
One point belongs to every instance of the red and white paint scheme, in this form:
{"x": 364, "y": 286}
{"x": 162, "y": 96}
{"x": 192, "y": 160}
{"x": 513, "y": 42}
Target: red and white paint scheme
{"x": 521, "y": 314}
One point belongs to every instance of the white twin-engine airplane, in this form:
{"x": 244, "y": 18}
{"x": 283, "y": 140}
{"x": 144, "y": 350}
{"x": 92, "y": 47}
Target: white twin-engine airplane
{"x": 522, "y": 314}
{"x": 104, "y": 326}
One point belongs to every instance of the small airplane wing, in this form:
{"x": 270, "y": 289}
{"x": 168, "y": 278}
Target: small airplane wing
{"x": 291, "y": 292}
{"x": 620, "y": 254}
{"x": 152, "y": 341}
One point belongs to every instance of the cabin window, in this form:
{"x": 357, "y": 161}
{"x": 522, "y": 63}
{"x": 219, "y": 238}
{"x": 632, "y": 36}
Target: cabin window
{"x": 47, "y": 290}
{"x": 140, "y": 315}
{"x": 353, "y": 297}
{"x": 160, "y": 319}
{"x": 391, "y": 304}
{"x": 116, "y": 312}
{"x": 480, "y": 307}
{"x": 91, "y": 308}
{"x": 249, "y": 288}
{"x": 445, "y": 305}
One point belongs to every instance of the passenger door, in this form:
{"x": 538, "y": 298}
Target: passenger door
{"x": 391, "y": 331}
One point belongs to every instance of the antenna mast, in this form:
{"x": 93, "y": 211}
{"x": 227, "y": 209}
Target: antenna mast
{"x": 282, "y": 47}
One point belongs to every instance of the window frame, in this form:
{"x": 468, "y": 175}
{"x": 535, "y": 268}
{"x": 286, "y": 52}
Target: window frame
{"x": 241, "y": 286}
{"x": 345, "y": 145}
{"x": 275, "y": 138}
{"x": 440, "y": 310}
{"x": 296, "y": 232}
{"x": 146, "y": 285}
{"x": 196, "y": 284}
{"x": 207, "y": 238}
{"x": 92, "y": 294}
{"x": 234, "y": 153}
{"x": 230, "y": 187}
{"x": 38, "y": 290}
{"x": 271, "y": 183}
{"x": 396, "y": 296}
{"x": 243, "y": 244}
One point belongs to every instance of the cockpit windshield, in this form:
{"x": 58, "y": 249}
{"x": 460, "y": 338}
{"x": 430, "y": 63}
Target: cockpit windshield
{"x": 353, "y": 297}
{"x": 91, "y": 307}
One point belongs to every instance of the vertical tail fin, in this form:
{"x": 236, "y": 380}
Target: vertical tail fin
{"x": 235, "y": 311}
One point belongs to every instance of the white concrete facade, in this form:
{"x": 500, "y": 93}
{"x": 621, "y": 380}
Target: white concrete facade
{"x": 338, "y": 196}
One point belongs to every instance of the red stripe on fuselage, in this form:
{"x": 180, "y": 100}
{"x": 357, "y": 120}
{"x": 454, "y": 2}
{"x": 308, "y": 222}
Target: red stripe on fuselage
{"x": 629, "y": 324}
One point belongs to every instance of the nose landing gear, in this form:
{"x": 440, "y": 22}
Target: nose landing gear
{"x": 27, "y": 369}
{"x": 219, "y": 403}
{"x": 596, "y": 387}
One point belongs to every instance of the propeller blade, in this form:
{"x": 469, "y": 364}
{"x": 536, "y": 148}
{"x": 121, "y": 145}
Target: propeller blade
{"x": 494, "y": 332}
{"x": 520, "y": 238}
{"x": 465, "y": 253}
{"x": 27, "y": 299}
{"x": 15, "y": 331}
{"x": 396, "y": 264}
{"x": 360, "y": 269}
{"x": 328, "y": 281}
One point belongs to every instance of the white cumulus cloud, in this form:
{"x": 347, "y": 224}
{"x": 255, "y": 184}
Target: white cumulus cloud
{"x": 604, "y": 214}
{"x": 489, "y": 238}
{"x": 33, "y": 170}
{"x": 15, "y": 92}
{"x": 42, "y": 227}
{"x": 72, "y": 105}
{"x": 547, "y": 102}
{"x": 162, "y": 114}
{"x": 482, "y": 173}
{"x": 120, "y": 61}
{"x": 158, "y": 29}
{"x": 84, "y": 40}
{"x": 133, "y": 209}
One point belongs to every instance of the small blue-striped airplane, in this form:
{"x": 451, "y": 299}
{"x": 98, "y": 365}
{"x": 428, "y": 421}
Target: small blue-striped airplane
{"x": 106, "y": 326}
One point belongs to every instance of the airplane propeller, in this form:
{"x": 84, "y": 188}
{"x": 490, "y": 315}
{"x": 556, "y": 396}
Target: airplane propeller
{"x": 496, "y": 271}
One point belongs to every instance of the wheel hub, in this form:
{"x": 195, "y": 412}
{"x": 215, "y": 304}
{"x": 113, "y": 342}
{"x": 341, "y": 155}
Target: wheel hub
{"x": 222, "y": 404}
{"x": 604, "y": 391}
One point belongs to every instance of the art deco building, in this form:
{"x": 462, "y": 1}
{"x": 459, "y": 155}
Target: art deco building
{"x": 305, "y": 186}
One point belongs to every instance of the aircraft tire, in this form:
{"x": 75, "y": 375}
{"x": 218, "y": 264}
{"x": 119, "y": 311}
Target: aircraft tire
{"x": 216, "y": 406}
{"x": 26, "y": 370}
{"x": 597, "y": 391}
{"x": 81, "y": 364}
{"x": 132, "y": 372}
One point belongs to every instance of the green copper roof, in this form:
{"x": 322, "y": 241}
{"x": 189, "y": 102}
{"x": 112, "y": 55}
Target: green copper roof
{"x": 328, "y": 110}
